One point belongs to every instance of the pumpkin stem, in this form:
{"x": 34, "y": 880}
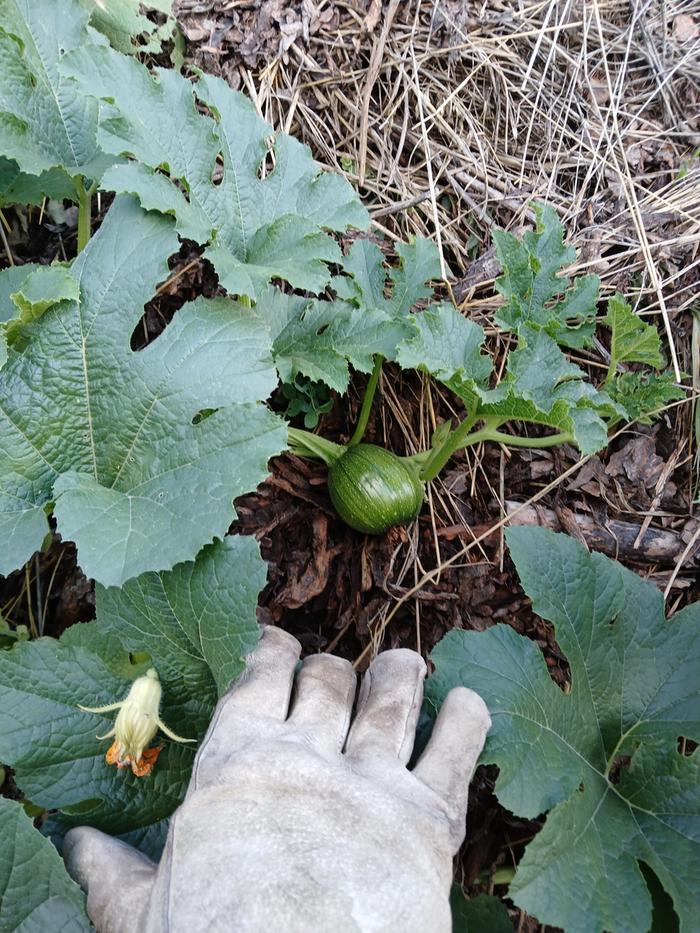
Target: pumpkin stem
{"x": 305, "y": 444}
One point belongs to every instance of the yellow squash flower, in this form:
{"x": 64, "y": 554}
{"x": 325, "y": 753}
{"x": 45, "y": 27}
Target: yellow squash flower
{"x": 136, "y": 724}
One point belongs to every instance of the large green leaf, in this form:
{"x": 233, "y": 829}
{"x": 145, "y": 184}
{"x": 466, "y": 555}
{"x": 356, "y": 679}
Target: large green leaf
{"x": 126, "y": 27}
{"x": 196, "y": 621}
{"x": 603, "y": 757}
{"x": 109, "y": 434}
{"x": 18, "y": 187}
{"x": 448, "y": 346}
{"x": 36, "y": 893}
{"x": 320, "y": 338}
{"x": 261, "y": 222}
{"x": 531, "y": 281}
{"x": 45, "y": 122}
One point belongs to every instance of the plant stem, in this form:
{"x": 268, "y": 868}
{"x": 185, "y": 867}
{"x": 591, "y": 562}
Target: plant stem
{"x": 455, "y": 440}
{"x": 461, "y": 438}
{"x": 306, "y": 444}
{"x": 500, "y": 876}
{"x": 84, "y": 212}
{"x": 513, "y": 440}
{"x": 363, "y": 417}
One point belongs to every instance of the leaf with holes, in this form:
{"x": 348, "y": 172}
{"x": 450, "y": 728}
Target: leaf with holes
{"x": 111, "y": 436}
{"x": 367, "y": 283}
{"x": 603, "y": 757}
{"x": 261, "y": 220}
{"x": 126, "y": 26}
{"x": 321, "y": 339}
{"x": 197, "y": 621}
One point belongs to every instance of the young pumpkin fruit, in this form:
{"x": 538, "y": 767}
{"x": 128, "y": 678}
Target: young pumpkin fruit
{"x": 372, "y": 489}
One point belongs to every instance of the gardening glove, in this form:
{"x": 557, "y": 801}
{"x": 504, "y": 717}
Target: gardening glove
{"x": 299, "y": 816}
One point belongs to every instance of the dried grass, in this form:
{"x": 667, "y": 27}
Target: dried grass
{"x": 452, "y": 117}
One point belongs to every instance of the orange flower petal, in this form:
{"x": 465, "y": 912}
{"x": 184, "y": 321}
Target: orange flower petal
{"x": 112, "y": 756}
{"x": 144, "y": 766}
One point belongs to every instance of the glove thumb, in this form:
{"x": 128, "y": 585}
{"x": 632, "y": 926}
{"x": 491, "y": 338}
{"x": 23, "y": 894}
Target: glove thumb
{"x": 116, "y": 878}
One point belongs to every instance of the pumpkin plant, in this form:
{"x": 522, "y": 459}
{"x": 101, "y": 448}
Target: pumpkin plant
{"x": 137, "y": 457}
{"x": 373, "y": 489}
{"x": 48, "y": 132}
{"x": 611, "y": 759}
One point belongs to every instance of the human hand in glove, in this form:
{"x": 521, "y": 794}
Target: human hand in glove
{"x": 300, "y": 816}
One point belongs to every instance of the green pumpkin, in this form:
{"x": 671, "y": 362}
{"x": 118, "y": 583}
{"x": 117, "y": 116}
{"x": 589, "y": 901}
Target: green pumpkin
{"x": 373, "y": 489}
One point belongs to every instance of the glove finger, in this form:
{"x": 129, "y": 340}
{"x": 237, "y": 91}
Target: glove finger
{"x": 390, "y": 699}
{"x": 323, "y": 698}
{"x": 449, "y": 759}
{"x": 264, "y": 688}
{"x": 117, "y": 879}
{"x": 257, "y": 700}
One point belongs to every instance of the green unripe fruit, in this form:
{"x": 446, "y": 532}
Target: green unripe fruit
{"x": 372, "y": 489}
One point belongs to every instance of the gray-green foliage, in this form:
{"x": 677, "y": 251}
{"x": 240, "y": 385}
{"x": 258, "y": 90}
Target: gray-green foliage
{"x": 602, "y": 758}
{"x": 18, "y": 187}
{"x": 197, "y": 621}
{"x": 45, "y": 122}
{"x": 321, "y": 339}
{"x": 545, "y": 311}
{"x": 531, "y": 279}
{"x": 640, "y": 393}
{"x": 25, "y": 293}
{"x": 107, "y": 433}
{"x": 127, "y": 27}
{"x": 36, "y": 893}
{"x": 139, "y": 456}
{"x": 632, "y": 341}
{"x": 259, "y": 221}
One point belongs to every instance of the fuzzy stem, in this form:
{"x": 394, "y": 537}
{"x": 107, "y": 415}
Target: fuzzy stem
{"x": 306, "y": 444}
{"x": 363, "y": 417}
{"x": 84, "y": 212}
{"x": 454, "y": 441}
{"x": 513, "y": 440}
{"x": 461, "y": 438}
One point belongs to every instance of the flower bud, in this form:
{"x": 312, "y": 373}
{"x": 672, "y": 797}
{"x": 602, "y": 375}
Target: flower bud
{"x": 136, "y": 724}
{"x": 137, "y": 720}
